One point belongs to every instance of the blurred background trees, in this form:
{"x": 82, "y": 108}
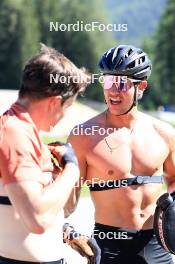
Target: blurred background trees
{"x": 151, "y": 26}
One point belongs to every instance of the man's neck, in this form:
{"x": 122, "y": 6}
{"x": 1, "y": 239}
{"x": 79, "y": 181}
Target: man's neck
{"x": 33, "y": 108}
{"x": 128, "y": 120}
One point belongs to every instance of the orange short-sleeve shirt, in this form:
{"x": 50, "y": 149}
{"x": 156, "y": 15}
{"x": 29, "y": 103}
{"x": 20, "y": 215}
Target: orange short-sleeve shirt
{"x": 22, "y": 154}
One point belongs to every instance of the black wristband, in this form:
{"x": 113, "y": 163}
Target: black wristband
{"x": 69, "y": 156}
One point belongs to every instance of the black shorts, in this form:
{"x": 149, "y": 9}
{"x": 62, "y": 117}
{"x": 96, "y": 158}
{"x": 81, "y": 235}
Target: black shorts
{"x": 125, "y": 246}
{"x": 14, "y": 261}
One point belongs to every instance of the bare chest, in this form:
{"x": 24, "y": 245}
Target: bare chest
{"x": 140, "y": 153}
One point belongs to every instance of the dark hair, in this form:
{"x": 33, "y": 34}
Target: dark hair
{"x": 37, "y": 73}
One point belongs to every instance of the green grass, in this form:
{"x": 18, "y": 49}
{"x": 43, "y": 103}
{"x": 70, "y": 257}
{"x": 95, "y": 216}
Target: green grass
{"x": 85, "y": 191}
{"x": 47, "y": 139}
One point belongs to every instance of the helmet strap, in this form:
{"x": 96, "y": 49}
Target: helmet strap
{"x": 134, "y": 102}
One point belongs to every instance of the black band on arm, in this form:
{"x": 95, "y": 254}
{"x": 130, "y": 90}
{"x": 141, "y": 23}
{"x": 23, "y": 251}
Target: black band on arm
{"x": 5, "y": 200}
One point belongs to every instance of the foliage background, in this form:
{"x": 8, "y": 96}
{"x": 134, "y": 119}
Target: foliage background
{"x": 151, "y": 26}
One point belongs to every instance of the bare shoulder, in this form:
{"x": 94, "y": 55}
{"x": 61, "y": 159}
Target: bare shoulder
{"x": 83, "y": 132}
{"x": 80, "y": 130}
{"x": 164, "y": 129}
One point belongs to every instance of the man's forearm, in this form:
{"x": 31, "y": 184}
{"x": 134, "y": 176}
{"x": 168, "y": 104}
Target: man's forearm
{"x": 72, "y": 202}
{"x": 57, "y": 193}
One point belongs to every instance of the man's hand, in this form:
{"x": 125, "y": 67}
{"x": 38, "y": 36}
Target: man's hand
{"x": 63, "y": 153}
{"x": 85, "y": 246}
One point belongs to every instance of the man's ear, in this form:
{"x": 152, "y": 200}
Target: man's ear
{"x": 55, "y": 101}
{"x": 142, "y": 86}
{"x": 58, "y": 99}
{"x": 140, "y": 89}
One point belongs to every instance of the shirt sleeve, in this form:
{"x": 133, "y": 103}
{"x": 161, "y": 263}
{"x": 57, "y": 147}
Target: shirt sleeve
{"x": 20, "y": 156}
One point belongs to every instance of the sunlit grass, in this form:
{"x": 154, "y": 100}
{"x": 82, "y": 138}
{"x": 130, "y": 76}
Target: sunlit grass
{"x": 47, "y": 139}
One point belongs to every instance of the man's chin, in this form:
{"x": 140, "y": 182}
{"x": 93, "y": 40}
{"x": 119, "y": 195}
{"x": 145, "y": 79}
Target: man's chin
{"x": 114, "y": 111}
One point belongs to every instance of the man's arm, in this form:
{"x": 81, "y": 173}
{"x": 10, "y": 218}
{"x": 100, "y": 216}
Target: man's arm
{"x": 86, "y": 246}
{"x": 38, "y": 205}
{"x": 35, "y": 197}
{"x": 77, "y": 144}
{"x": 164, "y": 217}
{"x": 169, "y": 164}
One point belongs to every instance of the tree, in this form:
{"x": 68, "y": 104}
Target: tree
{"x": 28, "y": 30}
{"x": 10, "y": 57}
{"x": 25, "y": 23}
{"x": 18, "y": 39}
{"x": 83, "y": 47}
{"x": 165, "y": 57}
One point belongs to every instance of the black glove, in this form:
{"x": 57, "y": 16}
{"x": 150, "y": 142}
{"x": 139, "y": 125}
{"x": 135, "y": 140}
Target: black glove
{"x": 68, "y": 156}
{"x": 85, "y": 246}
{"x": 164, "y": 221}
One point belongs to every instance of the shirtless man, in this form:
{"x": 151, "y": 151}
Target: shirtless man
{"x": 124, "y": 165}
{"x": 33, "y": 191}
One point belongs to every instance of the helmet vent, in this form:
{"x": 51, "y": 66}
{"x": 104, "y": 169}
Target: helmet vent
{"x": 120, "y": 62}
{"x": 126, "y": 60}
{"x": 126, "y": 55}
{"x": 143, "y": 59}
{"x": 129, "y": 52}
{"x": 131, "y": 65}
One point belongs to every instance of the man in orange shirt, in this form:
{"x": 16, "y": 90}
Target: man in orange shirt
{"x": 33, "y": 191}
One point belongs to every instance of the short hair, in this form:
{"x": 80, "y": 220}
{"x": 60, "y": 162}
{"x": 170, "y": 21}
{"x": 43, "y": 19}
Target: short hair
{"x": 36, "y": 82}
